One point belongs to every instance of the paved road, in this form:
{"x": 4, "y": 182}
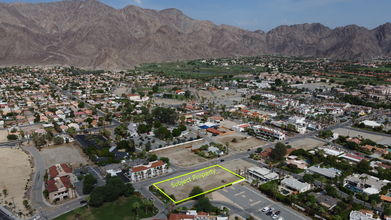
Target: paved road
{"x": 37, "y": 200}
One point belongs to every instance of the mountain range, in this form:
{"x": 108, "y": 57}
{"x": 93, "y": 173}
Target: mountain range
{"x": 92, "y": 35}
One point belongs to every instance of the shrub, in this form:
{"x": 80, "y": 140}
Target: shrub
{"x": 234, "y": 140}
{"x": 80, "y": 177}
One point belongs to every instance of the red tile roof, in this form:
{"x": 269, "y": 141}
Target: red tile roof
{"x": 178, "y": 216}
{"x": 52, "y": 185}
{"x": 214, "y": 131}
{"x": 53, "y": 171}
{"x": 66, "y": 182}
{"x": 66, "y": 168}
{"x": 141, "y": 168}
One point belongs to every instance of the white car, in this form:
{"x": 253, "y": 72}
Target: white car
{"x": 274, "y": 216}
{"x": 37, "y": 217}
{"x": 265, "y": 209}
{"x": 271, "y": 209}
{"x": 280, "y": 218}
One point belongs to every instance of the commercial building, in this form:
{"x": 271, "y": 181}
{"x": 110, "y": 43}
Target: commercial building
{"x": 262, "y": 174}
{"x": 294, "y": 184}
{"x": 60, "y": 170}
{"x": 326, "y": 172}
{"x": 366, "y": 183}
{"x": 144, "y": 171}
{"x": 362, "y": 215}
{"x": 241, "y": 128}
{"x": 60, "y": 188}
{"x": 259, "y": 129}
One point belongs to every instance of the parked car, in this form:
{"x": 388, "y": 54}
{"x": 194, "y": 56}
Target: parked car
{"x": 269, "y": 213}
{"x": 274, "y": 216}
{"x": 83, "y": 201}
{"x": 265, "y": 209}
{"x": 221, "y": 160}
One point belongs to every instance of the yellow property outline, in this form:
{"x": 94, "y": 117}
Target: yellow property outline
{"x": 242, "y": 178}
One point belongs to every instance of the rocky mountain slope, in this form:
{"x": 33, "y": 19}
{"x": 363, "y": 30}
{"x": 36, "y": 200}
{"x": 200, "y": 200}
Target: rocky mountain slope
{"x": 93, "y": 35}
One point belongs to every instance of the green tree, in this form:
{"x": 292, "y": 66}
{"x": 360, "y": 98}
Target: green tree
{"x": 176, "y": 132}
{"x": 204, "y": 205}
{"x": 195, "y": 191}
{"x": 279, "y": 151}
{"x": 136, "y": 205}
{"x": 81, "y": 105}
{"x": 58, "y": 140}
{"x": 308, "y": 178}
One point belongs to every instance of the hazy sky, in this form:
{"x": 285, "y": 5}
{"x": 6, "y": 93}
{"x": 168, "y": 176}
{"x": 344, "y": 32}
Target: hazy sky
{"x": 268, "y": 14}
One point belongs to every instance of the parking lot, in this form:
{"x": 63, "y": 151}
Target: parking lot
{"x": 90, "y": 170}
{"x": 253, "y": 202}
{"x": 142, "y": 139}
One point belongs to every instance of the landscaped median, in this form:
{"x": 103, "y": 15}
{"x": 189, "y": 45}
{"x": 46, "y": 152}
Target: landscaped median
{"x": 123, "y": 208}
{"x": 178, "y": 189}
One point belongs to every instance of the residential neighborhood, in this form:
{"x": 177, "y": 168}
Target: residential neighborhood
{"x": 305, "y": 143}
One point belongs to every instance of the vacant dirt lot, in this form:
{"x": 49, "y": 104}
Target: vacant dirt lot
{"x": 241, "y": 144}
{"x": 228, "y": 124}
{"x": 235, "y": 165}
{"x": 209, "y": 182}
{"x": 306, "y": 144}
{"x": 354, "y": 133}
{"x": 180, "y": 156}
{"x": 14, "y": 173}
{"x": 167, "y": 101}
{"x": 121, "y": 90}
{"x": 3, "y": 136}
{"x": 223, "y": 94}
{"x": 64, "y": 153}
{"x": 208, "y": 95}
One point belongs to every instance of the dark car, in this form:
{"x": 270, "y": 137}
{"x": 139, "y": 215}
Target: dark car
{"x": 249, "y": 150}
{"x": 83, "y": 201}
{"x": 221, "y": 160}
{"x": 269, "y": 213}
{"x": 277, "y": 213}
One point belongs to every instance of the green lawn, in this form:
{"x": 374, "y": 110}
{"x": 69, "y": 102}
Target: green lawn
{"x": 118, "y": 210}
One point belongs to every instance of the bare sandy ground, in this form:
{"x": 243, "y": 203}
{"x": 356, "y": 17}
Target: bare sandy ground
{"x": 219, "y": 178}
{"x": 121, "y": 90}
{"x": 180, "y": 156}
{"x": 3, "y": 136}
{"x": 235, "y": 165}
{"x": 168, "y": 101}
{"x": 14, "y": 173}
{"x": 306, "y": 144}
{"x": 243, "y": 142}
{"x": 354, "y": 133}
{"x": 64, "y": 153}
{"x": 223, "y": 94}
{"x": 208, "y": 95}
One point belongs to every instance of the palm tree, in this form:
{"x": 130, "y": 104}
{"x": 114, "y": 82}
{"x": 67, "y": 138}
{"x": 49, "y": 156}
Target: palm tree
{"x": 153, "y": 205}
{"x": 294, "y": 197}
{"x": 322, "y": 211}
{"x": 77, "y": 210}
{"x": 273, "y": 188}
{"x": 373, "y": 204}
{"x": 227, "y": 144}
{"x": 309, "y": 204}
{"x": 87, "y": 199}
{"x": 136, "y": 205}
{"x": 146, "y": 203}
{"x": 365, "y": 197}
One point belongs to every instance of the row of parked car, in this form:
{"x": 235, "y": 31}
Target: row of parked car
{"x": 269, "y": 211}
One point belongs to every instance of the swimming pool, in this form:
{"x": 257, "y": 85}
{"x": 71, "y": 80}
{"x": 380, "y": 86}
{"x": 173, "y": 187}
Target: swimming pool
{"x": 285, "y": 192}
{"x": 354, "y": 189}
